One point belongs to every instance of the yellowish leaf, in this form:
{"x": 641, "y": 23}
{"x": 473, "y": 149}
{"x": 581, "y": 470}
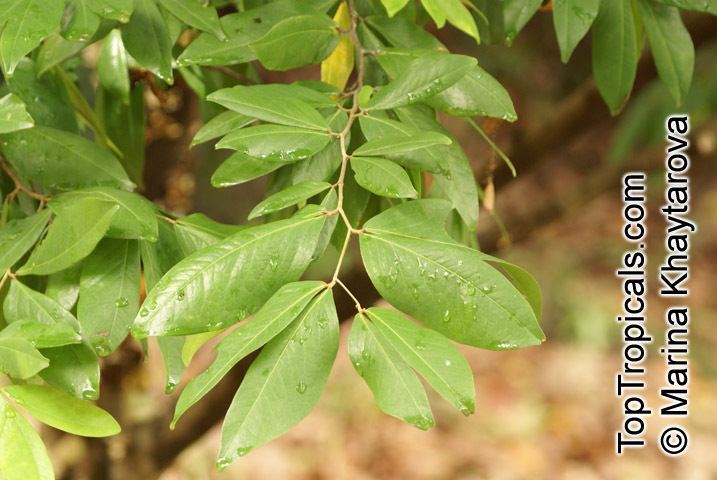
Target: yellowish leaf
{"x": 336, "y": 69}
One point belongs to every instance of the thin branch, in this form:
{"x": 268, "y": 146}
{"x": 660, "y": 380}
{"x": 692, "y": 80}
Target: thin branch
{"x": 19, "y": 186}
{"x": 353, "y": 113}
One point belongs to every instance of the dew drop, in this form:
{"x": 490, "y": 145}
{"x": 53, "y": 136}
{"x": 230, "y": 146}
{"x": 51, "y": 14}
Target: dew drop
{"x": 301, "y": 388}
{"x": 170, "y": 385}
{"x": 223, "y": 463}
{"x": 89, "y": 393}
{"x": 446, "y": 316}
{"x": 121, "y": 302}
{"x": 180, "y": 295}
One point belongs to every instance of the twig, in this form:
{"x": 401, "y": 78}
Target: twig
{"x": 19, "y": 187}
{"x": 353, "y": 113}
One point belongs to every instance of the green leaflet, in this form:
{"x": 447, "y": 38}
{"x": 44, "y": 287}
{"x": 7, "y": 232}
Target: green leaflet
{"x": 427, "y": 159}
{"x": 297, "y": 41}
{"x": 147, "y": 39}
{"x": 64, "y": 286}
{"x": 61, "y": 411}
{"x": 45, "y": 98}
{"x": 470, "y": 301}
{"x": 42, "y": 335}
{"x": 671, "y": 47}
{"x": 460, "y": 17}
{"x": 433, "y": 7}
{"x": 276, "y": 142}
{"x": 73, "y": 369}
{"x": 615, "y": 52}
{"x": 394, "y": 145}
{"x": 197, "y": 231}
{"x": 22, "y": 454}
{"x": 288, "y": 197}
{"x": 430, "y": 354}
{"x": 240, "y": 168}
{"x": 28, "y": 23}
{"x": 424, "y": 77}
{"x": 71, "y": 237}
{"x": 112, "y": 65}
{"x": 277, "y": 313}
{"x": 208, "y": 290}
{"x": 396, "y": 389}
{"x": 393, "y": 6}
{"x": 136, "y": 217}
{"x": 13, "y": 115}
{"x": 242, "y": 29}
{"x": 124, "y": 121}
{"x": 23, "y": 303}
{"x": 220, "y": 125}
{"x": 477, "y": 93}
{"x": 572, "y": 20}
{"x": 382, "y": 177}
{"x": 293, "y": 367}
{"x": 516, "y": 14}
{"x": 456, "y": 181}
{"x": 59, "y": 160}
{"x": 195, "y": 15}
{"x": 18, "y": 236}
{"x": 109, "y": 293}
{"x": 271, "y": 103}
{"x": 19, "y": 359}
{"x": 319, "y": 167}
{"x": 83, "y": 22}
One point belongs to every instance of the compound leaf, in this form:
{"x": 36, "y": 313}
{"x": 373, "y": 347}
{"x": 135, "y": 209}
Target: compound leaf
{"x": 382, "y": 177}
{"x": 615, "y": 52}
{"x": 209, "y": 289}
{"x": 62, "y": 411}
{"x": 449, "y": 287}
{"x": 71, "y": 237}
{"x": 109, "y": 293}
{"x": 297, "y": 41}
{"x": 572, "y": 20}
{"x": 288, "y": 197}
{"x": 396, "y": 389}
{"x": 424, "y": 77}
{"x": 293, "y": 367}
{"x": 20, "y": 359}
{"x": 18, "y": 236}
{"x": 430, "y": 354}
{"x": 22, "y": 454}
{"x": 270, "y": 104}
{"x": 277, "y": 313}
{"x": 13, "y": 115}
